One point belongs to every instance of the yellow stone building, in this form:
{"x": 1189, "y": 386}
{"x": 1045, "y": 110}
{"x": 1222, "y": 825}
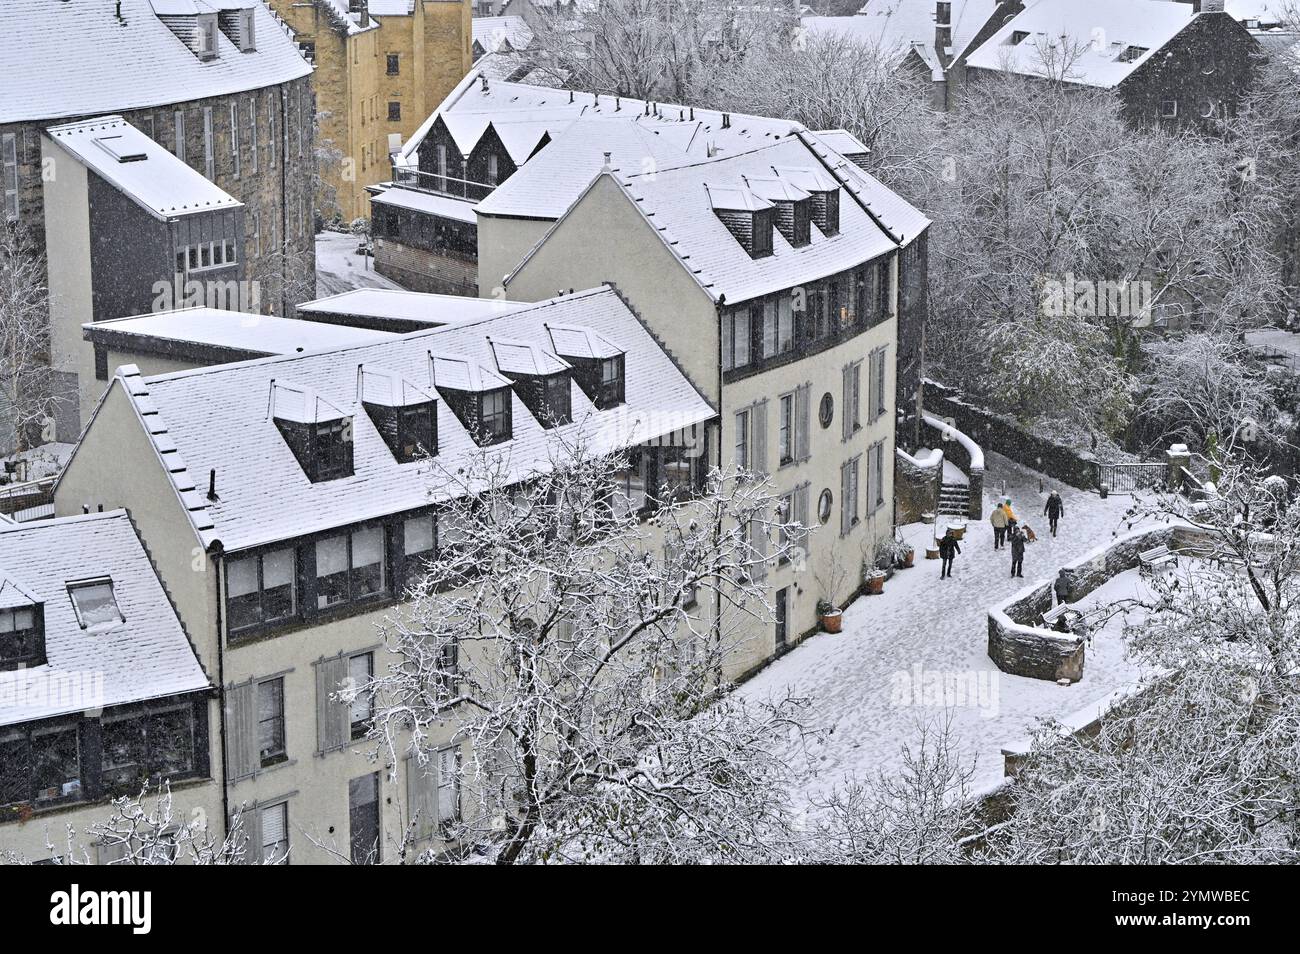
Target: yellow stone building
{"x": 381, "y": 67}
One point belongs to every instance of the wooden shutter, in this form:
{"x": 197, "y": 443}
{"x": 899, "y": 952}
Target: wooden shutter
{"x": 802, "y": 422}
{"x": 845, "y": 500}
{"x": 846, "y": 413}
{"x": 422, "y": 796}
{"x": 331, "y": 715}
{"x": 250, "y": 823}
{"x": 758, "y": 437}
{"x": 242, "y": 758}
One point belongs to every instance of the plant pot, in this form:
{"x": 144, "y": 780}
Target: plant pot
{"x": 876, "y": 584}
{"x": 932, "y": 552}
{"x": 958, "y": 530}
{"x": 832, "y": 621}
{"x": 907, "y": 559}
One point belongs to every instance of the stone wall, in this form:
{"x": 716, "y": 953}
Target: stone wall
{"x": 1018, "y": 647}
{"x": 994, "y": 432}
{"x": 916, "y": 485}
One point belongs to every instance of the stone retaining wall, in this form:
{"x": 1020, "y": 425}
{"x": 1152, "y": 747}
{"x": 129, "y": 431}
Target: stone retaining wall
{"x": 996, "y": 433}
{"x": 916, "y": 485}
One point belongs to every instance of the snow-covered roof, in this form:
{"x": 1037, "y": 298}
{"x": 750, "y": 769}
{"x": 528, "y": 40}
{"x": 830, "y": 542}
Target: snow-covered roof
{"x": 890, "y": 209}
{"x": 339, "y": 13}
{"x": 497, "y": 33}
{"x": 443, "y": 206}
{"x": 843, "y": 142}
{"x": 469, "y": 108}
{"x": 139, "y": 168}
{"x": 408, "y": 306}
{"x": 680, "y": 203}
{"x": 1265, "y": 12}
{"x": 64, "y": 59}
{"x": 896, "y": 27}
{"x": 253, "y": 335}
{"x": 557, "y": 175}
{"x": 145, "y": 656}
{"x": 217, "y": 418}
{"x": 1060, "y": 38}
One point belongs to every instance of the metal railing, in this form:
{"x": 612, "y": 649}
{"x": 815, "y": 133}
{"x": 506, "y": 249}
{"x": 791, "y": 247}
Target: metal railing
{"x": 1125, "y": 478}
{"x": 32, "y": 500}
{"x": 441, "y": 185}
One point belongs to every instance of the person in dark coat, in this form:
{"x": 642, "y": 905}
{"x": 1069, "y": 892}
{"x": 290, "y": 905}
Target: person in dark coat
{"x": 948, "y": 548}
{"x": 1017, "y": 552}
{"x": 1054, "y": 510}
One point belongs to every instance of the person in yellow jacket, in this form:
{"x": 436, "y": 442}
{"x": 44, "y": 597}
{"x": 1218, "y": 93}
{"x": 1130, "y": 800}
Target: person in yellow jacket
{"x": 1012, "y": 519}
{"x": 999, "y": 520}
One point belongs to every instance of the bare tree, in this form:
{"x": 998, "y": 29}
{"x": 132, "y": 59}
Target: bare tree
{"x": 27, "y": 398}
{"x": 577, "y": 653}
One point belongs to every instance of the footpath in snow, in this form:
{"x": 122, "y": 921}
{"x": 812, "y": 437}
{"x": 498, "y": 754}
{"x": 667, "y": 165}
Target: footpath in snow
{"x": 923, "y": 625}
{"x": 339, "y": 268}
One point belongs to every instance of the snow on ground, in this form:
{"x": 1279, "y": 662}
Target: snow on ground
{"x": 339, "y": 268}
{"x": 1284, "y": 346}
{"x": 923, "y": 627}
{"x": 952, "y": 474}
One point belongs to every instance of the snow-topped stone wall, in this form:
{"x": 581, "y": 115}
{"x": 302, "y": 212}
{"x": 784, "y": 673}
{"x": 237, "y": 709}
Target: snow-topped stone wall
{"x": 916, "y": 484}
{"x": 1019, "y": 647}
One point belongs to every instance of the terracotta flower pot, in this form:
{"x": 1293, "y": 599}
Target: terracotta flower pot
{"x": 907, "y": 560}
{"x": 932, "y": 552}
{"x": 832, "y": 621}
{"x": 876, "y": 585}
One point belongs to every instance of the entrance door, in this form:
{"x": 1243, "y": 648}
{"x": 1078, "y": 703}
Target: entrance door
{"x": 363, "y": 819}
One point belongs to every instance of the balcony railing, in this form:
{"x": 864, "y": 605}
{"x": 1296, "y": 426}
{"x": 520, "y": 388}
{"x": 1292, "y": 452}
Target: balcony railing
{"x": 441, "y": 185}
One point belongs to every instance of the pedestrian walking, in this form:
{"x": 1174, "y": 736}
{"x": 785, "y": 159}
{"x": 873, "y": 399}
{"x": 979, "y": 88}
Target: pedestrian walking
{"x": 1054, "y": 510}
{"x": 1017, "y": 552}
{"x": 948, "y": 549}
{"x": 1012, "y": 519}
{"x": 999, "y": 520}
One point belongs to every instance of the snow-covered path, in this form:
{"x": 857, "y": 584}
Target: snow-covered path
{"x": 339, "y": 268}
{"x": 940, "y": 626}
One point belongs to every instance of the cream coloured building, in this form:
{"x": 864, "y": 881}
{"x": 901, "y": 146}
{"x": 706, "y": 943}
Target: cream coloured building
{"x": 285, "y": 515}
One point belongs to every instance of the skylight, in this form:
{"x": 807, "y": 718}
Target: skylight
{"x": 95, "y": 604}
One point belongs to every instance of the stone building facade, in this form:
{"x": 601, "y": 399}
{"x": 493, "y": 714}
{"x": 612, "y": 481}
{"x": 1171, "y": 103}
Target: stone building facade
{"x": 381, "y": 68}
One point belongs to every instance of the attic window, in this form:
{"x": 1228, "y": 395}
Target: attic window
{"x": 1019, "y": 36}
{"x": 239, "y": 26}
{"x": 410, "y": 431}
{"x": 94, "y": 603}
{"x": 494, "y": 424}
{"x": 548, "y": 397}
{"x": 802, "y": 223}
{"x": 761, "y": 237}
{"x": 22, "y": 637}
{"x": 332, "y": 449}
{"x": 612, "y": 383}
{"x": 206, "y": 38}
{"x": 1131, "y": 53}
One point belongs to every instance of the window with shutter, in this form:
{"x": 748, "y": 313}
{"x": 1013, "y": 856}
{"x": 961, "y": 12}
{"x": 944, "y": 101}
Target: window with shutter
{"x": 878, "y": 391}
{"x": 803, "y": 422}
{"x": 421, "y": 796}
{"x": 758, "y": 429}
{"x": 448, "y": 786}
{"x": 332, "y": 716}
{"x": 234, "y": 137}
{"x": 274, "y": 827}
{"x": 242, "y": 760}
{"x": 9, "y": 179}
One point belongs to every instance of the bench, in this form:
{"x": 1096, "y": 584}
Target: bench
{"x": 1156, "y": 556}
{"x": 1062, "y": 617}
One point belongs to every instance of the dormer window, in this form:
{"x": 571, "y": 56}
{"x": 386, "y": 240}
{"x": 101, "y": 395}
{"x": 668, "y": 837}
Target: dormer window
{"x": 599, "y": 368}
{"x": 480, "y": 398}
{"x": 239, "y": 26}
{"x": 94, "y": 603}
{"x": 748, "y": 217}
{"x": 494, "y": 424}
{"x": 793, "y": 206}
{"x": 611, "y": 383}
{"x": 1018, "y": 37}
{"x": 1131, "y": 53}
{"x": 404, "y": 414}
{"x": 317, "y": 432}
{"x": 206, "y": 37}
{"x": 22, "y": 637}
{"x": 541, "y": 379}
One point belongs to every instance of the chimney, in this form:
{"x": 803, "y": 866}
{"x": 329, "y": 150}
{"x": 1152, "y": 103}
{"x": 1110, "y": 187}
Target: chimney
{"x": 483, "y": 80}
{"x": 726, "y": 120}
{"x": 362, "y": 9}
{"x": 606, "y": 167}
{"x": 212, "y": 484}
{"x": 942, "y": 29}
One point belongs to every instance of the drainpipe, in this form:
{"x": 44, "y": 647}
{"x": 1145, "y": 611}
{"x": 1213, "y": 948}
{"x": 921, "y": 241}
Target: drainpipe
{"x": 717, "y": 578}
{"x": 215, "y": 553}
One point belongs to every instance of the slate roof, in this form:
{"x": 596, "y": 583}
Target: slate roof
{"x": 65, "y": 59}
{"x": 1068, "y": 30}
{"x": 422, "y": 307}
{"x": 147, "y": 656}
{"x": 139, "y": 168}
{"x": 228, "y": 330}
{"x": 895, "y": 27}
{"x": 220, "y": 418}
